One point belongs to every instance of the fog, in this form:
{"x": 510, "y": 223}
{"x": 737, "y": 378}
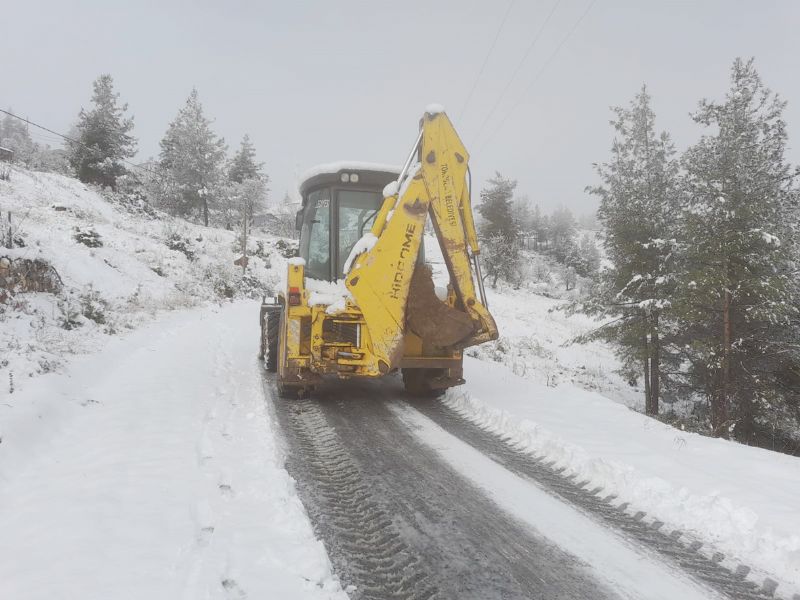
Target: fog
{"x": 313, "y": 82}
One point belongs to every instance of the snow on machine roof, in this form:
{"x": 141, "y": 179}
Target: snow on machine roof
{"x": 366, "y": 173}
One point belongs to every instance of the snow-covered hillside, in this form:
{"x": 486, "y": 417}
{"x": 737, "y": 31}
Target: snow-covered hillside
{"x": 118, "y": 262}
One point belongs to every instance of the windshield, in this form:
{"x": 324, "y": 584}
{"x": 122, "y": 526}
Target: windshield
{"x": 351, "y": 215}
{"x": 357, "y": 211}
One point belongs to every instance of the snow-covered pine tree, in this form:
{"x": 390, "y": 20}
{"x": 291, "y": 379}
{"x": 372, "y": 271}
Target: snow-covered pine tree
{"x": 104, "y": 136}
{"x": 498, "y": 228}
{"x": 243, "y": 201}
{"x": 562, "y": 234}
{"x": 14, "y": 135}
{"x": 247, "y": 185}
{"x": 589, "y": 256}
{"x": 243, "y": 165}
{"x": 495, "y": 208}
{"x": 638, "y": 208}
{"x": 540, "y": 224}
{"x": 192, "y": 162}
{"x": 739, "y": 265}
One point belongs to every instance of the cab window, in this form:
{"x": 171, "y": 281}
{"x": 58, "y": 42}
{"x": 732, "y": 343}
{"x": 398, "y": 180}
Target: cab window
{"x": 315, "y": 235}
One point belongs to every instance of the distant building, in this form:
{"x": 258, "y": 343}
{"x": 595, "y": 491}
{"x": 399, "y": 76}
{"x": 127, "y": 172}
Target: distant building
{"x": 6, "y": 155}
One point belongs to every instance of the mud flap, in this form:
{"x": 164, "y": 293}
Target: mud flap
{"x": 436, "y": 322}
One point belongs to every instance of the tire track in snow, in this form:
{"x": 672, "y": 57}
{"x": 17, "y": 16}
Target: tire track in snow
{"x": 371, "y": 555}
{"x": 731, "y": 582}
{"x": 365, "y": 480}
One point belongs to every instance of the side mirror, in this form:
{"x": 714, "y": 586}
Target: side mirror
{"x": 298, "y": 220}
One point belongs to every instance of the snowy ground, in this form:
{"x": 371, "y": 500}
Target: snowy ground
{"x": 567, "y": 402}
{"x": 741, "y": 500}
{"x": 149, "y": 465}
{"x": 148, "y": 262}
{"x": 536, "y": 337}
{"x": 151, "y": 470}
{"x": 609, "y": 558}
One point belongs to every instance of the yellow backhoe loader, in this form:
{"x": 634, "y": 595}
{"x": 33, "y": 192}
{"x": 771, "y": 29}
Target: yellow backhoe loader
{"x": 360, "y": 301}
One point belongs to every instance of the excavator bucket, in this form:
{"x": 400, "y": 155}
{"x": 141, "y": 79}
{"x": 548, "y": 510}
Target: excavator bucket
{"x": 435, "y": 322}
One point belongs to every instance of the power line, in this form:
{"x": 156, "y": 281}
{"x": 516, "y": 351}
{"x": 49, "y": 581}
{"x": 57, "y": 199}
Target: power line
{"x": 74, "y": 141}
{"x": 519, "y": 68}
{"x": 486, "y": 60}
{"x": 539, "y": 73}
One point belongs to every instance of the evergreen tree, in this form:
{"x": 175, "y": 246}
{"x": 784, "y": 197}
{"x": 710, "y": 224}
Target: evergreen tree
{"x": 589, "y": 256}
{"x": 739, "y": 267}
{"x": 192, "y": 162}
{"x": 638, "y": 207}
{"x": 104, "y": 137}
{"x": 523, "y": 215}
{"x": 499, "y": 230}
{"x": 244, "y": 200}
{"x": 536, "y": 226}
{"x": 243, "y": 165}
{"x": 14, "y": 136}
{"x": 496, "y": 210}
{"x": 562, "y": 233}
{"x": 541, "y": 228}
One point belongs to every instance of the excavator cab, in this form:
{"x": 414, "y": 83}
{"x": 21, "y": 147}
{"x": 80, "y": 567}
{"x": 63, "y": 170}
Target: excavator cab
{"x": 340, "y": 204}
{"x": 359, "y": 301}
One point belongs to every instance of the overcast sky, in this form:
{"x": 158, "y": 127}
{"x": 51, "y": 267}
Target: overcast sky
{"x": 321, "y": 81}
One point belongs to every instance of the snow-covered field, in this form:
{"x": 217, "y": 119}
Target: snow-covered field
{"x": 151, "y": 470}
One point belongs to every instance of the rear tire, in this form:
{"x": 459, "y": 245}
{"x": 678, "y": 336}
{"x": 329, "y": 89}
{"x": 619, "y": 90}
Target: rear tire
{"x": 273, "y": 329}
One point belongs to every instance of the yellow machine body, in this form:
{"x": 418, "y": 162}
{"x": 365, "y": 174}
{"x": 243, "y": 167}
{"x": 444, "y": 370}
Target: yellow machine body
{"x": 369, "y": 335}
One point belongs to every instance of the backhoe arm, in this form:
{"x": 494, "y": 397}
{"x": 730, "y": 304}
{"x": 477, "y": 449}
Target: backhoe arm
{"x": 381, "y": 276}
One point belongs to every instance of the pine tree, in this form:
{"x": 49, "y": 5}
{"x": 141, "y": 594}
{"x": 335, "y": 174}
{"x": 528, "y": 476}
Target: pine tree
{"x": 562, "y": 233}
{"x": 496, "y": 210}
{"x": 589, "y": 256}
{"x": 739, "y": 267}
{"x": 104, "y": 137}
{"x": 192, "y": 162}
{"x": 14, "y": 135}
{"x": 498, "y": 229}
{"x": 638, "y": 206}
{"x": 243, "y": 165}
{"x": 541, "y": 228}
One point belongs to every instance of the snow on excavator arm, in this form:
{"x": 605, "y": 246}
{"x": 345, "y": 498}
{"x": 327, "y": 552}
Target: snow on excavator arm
{"x": 381, "y": 268}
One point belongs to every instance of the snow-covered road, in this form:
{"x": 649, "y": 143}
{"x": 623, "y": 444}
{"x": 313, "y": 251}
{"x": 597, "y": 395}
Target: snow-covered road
{"x": 468, "y": 527}
{"x": 156, "y": 469}
{"x": 151, "y": 471}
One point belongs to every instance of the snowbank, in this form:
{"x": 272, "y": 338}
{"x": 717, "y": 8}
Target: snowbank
{"x": 743, "y": 500}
